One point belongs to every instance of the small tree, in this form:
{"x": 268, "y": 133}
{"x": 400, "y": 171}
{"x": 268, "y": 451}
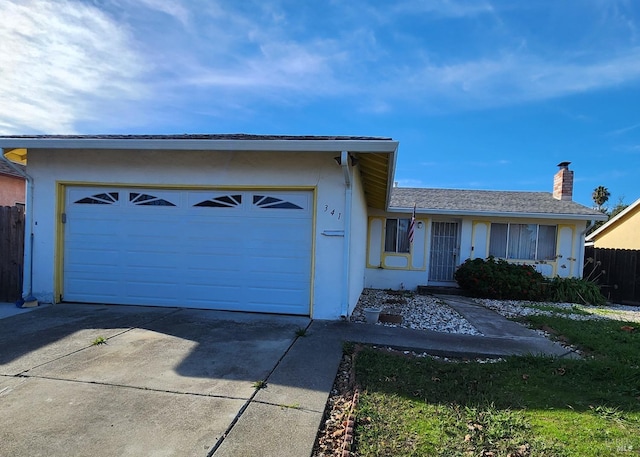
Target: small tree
{"x": 620, "y": 207}
{"x": 600, "y": 196}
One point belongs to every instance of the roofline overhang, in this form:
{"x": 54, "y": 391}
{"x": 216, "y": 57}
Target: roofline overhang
{"x": 460, "y": 213}
{"x": 16, "y": 148}
{"x": 289, "y": 145}
{"x": 610, "y": 223}
{"x": 391, "y": 175}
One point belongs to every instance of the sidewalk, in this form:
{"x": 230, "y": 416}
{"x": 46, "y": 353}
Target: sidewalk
{"x": 283, "y": 421}
{"x": 10, "y": 309}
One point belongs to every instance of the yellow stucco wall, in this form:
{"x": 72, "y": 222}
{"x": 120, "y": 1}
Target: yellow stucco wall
{"x": 623, "y": 234}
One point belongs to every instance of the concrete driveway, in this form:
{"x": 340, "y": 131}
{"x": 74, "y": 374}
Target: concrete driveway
{"x": 168, "y": 382}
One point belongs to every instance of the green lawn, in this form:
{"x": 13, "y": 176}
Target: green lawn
{"x": 523, "y": 406}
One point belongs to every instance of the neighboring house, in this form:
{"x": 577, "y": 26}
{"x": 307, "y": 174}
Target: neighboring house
{"x": 621, "y": 232}
{"x": 12, "y": 185}
{"x": 278, "y": 224}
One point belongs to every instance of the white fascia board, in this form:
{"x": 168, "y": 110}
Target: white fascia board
{"x": 362, "y": 146}
{"x": 581, "y": 217}
{"x": 613, "y": 221}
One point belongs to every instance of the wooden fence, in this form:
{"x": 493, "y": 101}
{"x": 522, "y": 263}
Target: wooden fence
{"x": 11, "y": 252}
{"x": 617, "y": 271}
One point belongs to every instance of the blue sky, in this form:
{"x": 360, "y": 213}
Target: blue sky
{"x": 480, "y": 94}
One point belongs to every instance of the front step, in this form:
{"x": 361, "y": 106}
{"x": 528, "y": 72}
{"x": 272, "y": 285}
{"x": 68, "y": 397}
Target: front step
{"x": 441, "y": 290}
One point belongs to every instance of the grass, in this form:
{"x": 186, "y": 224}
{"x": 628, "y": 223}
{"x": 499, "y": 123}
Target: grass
{"x": 99, "y": 341}
{"x": 558, "y": 310}
{"x": 522, "y": 406}
{"x": 261, "y": 384}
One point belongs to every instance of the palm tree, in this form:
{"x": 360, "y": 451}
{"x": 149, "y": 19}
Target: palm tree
{"x": 600, "y": 196}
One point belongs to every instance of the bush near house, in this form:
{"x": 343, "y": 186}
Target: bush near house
{"x": 500, "y": 279}
{"x": 574, "y": 290}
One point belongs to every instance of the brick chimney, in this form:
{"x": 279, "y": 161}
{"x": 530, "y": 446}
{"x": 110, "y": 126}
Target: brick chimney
{"x": 563, "y": 183}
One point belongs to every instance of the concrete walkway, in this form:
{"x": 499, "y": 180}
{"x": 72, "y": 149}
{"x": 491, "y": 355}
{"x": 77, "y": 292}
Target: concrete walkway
{"x": 180, "y": 380}
{"x": 267, "y": 428}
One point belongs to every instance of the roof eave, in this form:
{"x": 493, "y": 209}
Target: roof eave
{"x": 392, "y": 172}
{"x": 530, "y": 215}
{"x": 613, "y": 221}
{"x": 362, "y": 146}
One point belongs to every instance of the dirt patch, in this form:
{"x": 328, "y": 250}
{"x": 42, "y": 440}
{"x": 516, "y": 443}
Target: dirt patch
{"x": 336, "y": 430}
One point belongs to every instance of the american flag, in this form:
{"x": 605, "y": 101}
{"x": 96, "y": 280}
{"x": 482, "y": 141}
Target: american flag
{"x": 412, "y": 224}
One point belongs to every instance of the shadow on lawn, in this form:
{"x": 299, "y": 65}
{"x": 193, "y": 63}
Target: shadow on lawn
{"x": 514, "y": 383}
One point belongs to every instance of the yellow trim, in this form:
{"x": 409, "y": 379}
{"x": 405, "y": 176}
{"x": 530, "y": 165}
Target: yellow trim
{"x": 474, "y": 252}
{"x": 58, "y": 255}
{"x": 427, "y": 243}
{"x": 369, "y": 228}
{"x": 552, "y": 263}
{"x": 61, "y": 198}
{"x": 181, "y": 186}
{"x": 573, "y": 258}
{"x": 397, "y": 254}
{"x": 488, "y": 239}
{"x": 17, "y": 155}
{"x": 384, "y": 255}
{"x": 314, "y": 233}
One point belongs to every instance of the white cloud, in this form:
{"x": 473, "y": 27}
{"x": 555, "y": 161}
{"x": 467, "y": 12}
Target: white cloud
{"x": 59, "y": 60}
{"x": 512, "y": 79}
{"x": 284, "y": 72}
{"x": 624, "y": 130}
{"x": 172, "y": 8}
{"x": 66, "y": 61}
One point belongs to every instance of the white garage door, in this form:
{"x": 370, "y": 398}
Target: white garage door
{"x": 230, "y": 250}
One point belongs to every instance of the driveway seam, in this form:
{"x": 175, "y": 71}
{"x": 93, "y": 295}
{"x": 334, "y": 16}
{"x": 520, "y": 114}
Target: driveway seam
{"x": 91, "y": 345}
{"x": 125, "y": 386}
{"x": 253, "y": 395}
{"x": 280, "y": 405}
{"x": 24, "y": 372}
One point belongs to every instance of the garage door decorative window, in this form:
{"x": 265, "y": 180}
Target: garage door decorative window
{"x": 100, "y": 199}
{"x": 148, "y": 200}
{"x": 263, "y": 201}
{"x": 226, "y": 201}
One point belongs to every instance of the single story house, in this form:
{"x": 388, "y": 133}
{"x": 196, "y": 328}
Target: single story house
{"x": 621, "y": 232}
{"x": 277, "y": 224}
{"x": 12, "y": 184}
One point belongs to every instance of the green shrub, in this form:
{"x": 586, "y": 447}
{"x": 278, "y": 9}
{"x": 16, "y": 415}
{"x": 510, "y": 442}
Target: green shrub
{"x": 574, "y": 290}
{"x": 500, "y": 279}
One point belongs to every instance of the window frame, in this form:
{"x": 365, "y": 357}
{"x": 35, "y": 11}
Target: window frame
{"x": 398, "y": 230}
{"x": 509, "y": 248}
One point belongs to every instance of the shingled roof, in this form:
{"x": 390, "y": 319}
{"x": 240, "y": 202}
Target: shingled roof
{"x": 8, "y": 171}
{"x": 489, "y": 202}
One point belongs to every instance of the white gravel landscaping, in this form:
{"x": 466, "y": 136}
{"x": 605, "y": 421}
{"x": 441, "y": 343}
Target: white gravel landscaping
{"x": 516, "y": 308}
{"x": 425, "y": 312}
{"x": 422, "y": 312}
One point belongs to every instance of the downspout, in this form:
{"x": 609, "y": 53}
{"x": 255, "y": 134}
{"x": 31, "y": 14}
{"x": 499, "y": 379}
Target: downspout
{"x": 346, "y": 259}
{"x": 27, "y": 280}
